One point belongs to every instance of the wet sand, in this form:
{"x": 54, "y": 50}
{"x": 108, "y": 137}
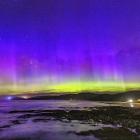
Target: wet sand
{"x": 69, "y": 120}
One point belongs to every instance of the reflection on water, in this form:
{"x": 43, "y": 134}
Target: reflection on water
{"x": 58, "y": 120}
{"x": 49, "y": 105}
{"x": 131, "y": 105}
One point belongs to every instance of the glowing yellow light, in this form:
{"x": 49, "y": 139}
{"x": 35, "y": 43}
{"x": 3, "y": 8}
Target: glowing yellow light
{"x": 130, "y": 101}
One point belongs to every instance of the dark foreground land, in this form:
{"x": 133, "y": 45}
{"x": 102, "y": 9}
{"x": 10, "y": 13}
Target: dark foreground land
{"x": 103, "y": 122}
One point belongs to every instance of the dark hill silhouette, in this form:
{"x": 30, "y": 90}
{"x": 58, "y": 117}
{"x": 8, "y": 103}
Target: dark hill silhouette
{"x": 123, "y": 96}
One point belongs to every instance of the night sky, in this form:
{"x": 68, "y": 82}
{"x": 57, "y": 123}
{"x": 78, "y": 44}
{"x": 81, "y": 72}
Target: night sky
{"x": 47, "y": 42}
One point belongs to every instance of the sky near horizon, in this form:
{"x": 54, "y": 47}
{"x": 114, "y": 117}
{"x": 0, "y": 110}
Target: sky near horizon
{"x": 58, "y": 41}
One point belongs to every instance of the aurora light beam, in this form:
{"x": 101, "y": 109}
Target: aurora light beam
{"x": 69, "y": 45}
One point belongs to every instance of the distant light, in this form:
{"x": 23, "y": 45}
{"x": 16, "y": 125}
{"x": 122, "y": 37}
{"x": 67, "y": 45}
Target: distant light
{"x": 25, "y": 97}
{"x": 9, "y": 98}
{"x": 130, "y": 101}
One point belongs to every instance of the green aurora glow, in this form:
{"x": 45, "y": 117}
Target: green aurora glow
{"x": 73, "y": 86}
